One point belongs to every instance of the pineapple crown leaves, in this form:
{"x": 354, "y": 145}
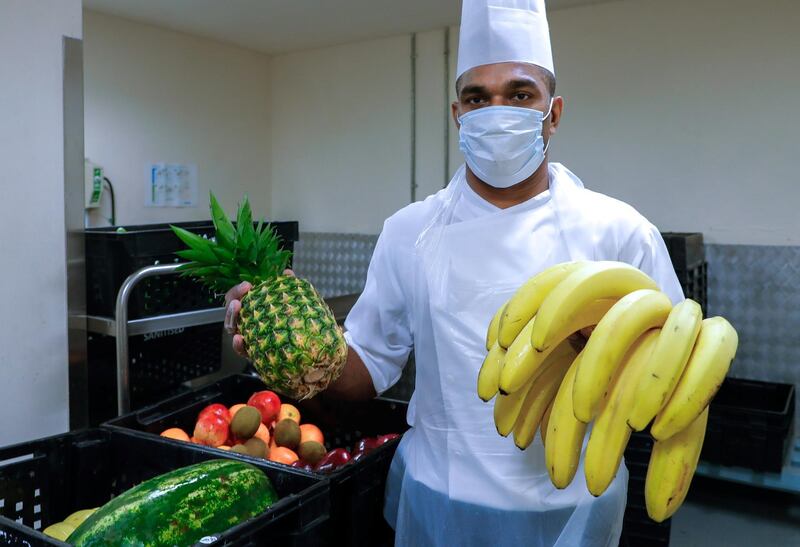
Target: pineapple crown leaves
{"x": 240, "y": 252}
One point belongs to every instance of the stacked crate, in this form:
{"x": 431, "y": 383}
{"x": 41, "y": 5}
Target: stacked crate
{"x": 160, "y": 361}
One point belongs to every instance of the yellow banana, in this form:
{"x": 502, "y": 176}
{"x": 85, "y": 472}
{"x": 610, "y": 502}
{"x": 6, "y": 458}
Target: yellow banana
{"x": 672, "y": 466}
{"x": 666, "y": 364}
{"x": 491, "y": 332}
{"x": 545, "y": 421}
{"x": 526, "y": 301}
{"x": 523, "y": 362}
{"x": 520, "y": 355}
{"x": 562, "y": 451}
{"x": 489, "y": 375}
{"x": 506, "y": 410}
{"x": 594, "y": 281}
{"x": 611, "y": 432}
{"x": 633, "y": 315}
{"x": 541, "y": 394}
{"x": 709, "y": 363}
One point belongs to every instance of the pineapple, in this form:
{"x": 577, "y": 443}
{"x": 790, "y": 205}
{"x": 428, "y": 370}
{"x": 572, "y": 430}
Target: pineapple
{"x": 290, "y": 333}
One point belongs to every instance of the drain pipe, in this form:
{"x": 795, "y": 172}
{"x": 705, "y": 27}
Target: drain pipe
{"x": 413, "y": 117}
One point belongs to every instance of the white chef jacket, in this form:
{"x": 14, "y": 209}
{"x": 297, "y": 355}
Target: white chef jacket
{"x": 379, "y": 327}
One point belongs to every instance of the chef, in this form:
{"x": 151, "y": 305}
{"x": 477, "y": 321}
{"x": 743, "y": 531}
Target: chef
{"x": 442, "y": 267}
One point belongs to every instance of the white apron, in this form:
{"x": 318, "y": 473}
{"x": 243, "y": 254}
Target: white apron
{"x": 455, "y": 481}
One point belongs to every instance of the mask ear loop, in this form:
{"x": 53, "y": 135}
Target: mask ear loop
{"x": 545, "y": 117}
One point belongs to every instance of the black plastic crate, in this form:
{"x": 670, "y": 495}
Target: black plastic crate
{"x": 694, "y": 283}
{"x": 638, "y": 529}
{"x": 159, "y": 363}
{"x": 686, "y": 249}
{"x": 638, "y": 538}
{"x": 44, "y": 481}
{"x": 112, "y": 256}
{"x": 639, "y": 447}
{"x": 750, "y": 424}
{"x": 357, "y": 490}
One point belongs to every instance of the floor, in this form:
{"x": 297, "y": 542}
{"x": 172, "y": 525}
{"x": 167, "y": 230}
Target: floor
{"x": 720, "y": 513}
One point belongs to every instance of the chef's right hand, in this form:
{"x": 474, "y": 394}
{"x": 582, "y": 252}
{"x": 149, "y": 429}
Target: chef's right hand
{"x": 233, "y": 304}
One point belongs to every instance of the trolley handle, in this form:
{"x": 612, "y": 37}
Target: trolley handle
{"x": 121, "y": 327}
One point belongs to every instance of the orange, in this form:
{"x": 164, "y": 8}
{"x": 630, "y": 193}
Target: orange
{"x": 263, "y": 434}
{"x": 175, "y": 433}
{"x": 310, "y": 432}
{"x": 224, "y": 447}
{"x": 289, "y": 412}
{"x": 234, "y": 409}
{"x": 281, "y": 454}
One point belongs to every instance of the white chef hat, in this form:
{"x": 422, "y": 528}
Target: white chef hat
{"x": 497, "y": 31}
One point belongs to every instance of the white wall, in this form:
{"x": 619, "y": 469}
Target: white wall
{"x": 156, "y": 95}
{"x": 341, "y": 136}
{"x": 33, "y": 315}
{"x": 688, "y": 110}
{"x": 685, "y": 109}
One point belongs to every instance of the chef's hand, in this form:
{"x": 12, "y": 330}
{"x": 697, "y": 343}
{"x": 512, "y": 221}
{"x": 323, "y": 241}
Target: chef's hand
{"x": 233, "y": 304}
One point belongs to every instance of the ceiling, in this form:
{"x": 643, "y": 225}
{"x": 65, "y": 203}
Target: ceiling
{"x": 275, "y": 26}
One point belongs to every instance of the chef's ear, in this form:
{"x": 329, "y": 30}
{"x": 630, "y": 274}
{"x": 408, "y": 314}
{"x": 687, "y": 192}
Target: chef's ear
{"x": 454, "y": 111}
{"x": 555, "y": 115}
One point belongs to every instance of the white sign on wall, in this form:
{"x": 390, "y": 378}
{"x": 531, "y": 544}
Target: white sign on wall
{"x": 171, "y": 185}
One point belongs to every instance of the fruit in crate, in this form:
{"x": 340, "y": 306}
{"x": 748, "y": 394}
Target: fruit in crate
{"x": 289, "y": 412}
{"x": 256, "y": 447}
{"x": 281, "y": 454}
{"x": 77, "y": 518}
{"x": 176, "y": 433}
{"x": 311, "y": 452}
{"x": 211, "y": 430}
{"x": 287, "y": 433}
{"x": 235, "y": 408}
{"x": 268, "y": 404}
{"x": 246, "y": 422}
{"x": 263, "y": 433}
{"x": 216, "y": 409}
{"x": 60, "y": 530}
{"x": 290, "y": 333}
{"x": 310, "y": 432}
{"x": 180, "y": 507}
{"x": 644, "y": 359}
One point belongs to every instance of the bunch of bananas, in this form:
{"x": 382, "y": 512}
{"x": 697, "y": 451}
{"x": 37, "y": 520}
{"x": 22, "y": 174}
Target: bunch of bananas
{"x": 644, "y": 360}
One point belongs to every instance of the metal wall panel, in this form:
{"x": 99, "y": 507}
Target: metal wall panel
{"x": 757, "y": 288}
{"x": 336, "y": 264}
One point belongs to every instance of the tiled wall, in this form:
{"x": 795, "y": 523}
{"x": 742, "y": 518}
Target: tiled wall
{"x": 336, "y": 264}
{"x": 757, "y": 288}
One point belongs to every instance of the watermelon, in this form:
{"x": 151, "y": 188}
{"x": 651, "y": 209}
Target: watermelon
{"x": 180, "y": 507}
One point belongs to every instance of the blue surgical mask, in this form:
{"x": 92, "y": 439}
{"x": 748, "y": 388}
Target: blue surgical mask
{"x": 503, "y": 145}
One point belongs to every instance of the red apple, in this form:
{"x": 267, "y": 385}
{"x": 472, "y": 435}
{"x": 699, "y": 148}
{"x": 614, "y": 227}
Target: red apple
{"x": 383, "y": 439}
{"x": 217, "y": 410}
{"x": 211, "y": 430}
{"x": 268, "y": 404}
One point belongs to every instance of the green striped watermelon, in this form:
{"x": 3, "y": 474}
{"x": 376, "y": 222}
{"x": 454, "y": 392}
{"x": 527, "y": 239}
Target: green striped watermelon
{"x": 180, "y": 507}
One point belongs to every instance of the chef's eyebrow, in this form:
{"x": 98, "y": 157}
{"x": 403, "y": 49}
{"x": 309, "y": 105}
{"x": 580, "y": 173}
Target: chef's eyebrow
{"x": 518, "y": 83}
{"x": 473, "y": 89}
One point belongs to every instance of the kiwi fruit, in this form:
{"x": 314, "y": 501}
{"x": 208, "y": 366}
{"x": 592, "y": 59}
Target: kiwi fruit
{"x": 311, "y": 452}
{"x": 256, "y": 447}
{"x": 287, "y": 433}
{"x": 239, "y": 449}
{"x": 245, "y": 423}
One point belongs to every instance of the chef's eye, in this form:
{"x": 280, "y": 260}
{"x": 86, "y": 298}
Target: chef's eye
{"x": 475, "y": 101}
{"x": 521, "y": 96}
